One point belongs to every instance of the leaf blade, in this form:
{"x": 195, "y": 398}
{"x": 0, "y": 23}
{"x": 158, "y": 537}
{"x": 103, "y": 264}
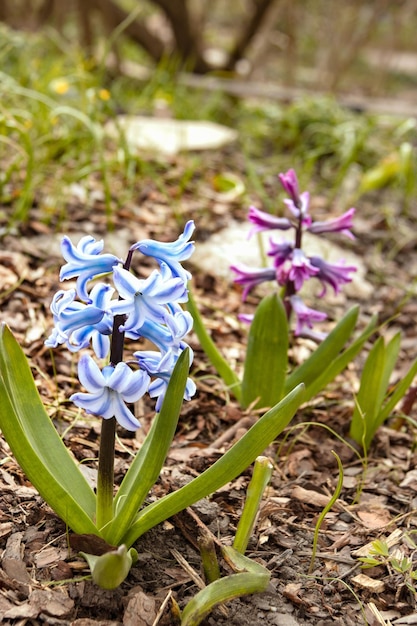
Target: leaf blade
{"x": 35, "y": 442}
{"x": 266, "y": 355}
{"x": 225, "y": 469}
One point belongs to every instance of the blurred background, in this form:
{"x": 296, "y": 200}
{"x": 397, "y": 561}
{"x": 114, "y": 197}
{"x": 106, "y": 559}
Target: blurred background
{"x": 330, "y": 92}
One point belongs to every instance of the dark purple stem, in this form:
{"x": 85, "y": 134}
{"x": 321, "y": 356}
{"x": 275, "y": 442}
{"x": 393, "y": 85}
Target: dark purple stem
{"x": 105, "y": 478}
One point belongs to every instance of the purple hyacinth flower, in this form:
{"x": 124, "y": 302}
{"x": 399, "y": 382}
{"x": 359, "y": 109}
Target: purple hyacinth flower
{"x": 301, "y": 209}
{"x": 146, "y": 299}
{"x": 342, "y": 224}
{"x": 246, "y": 318}
{"x": 289, "y": 183}
{"x": 85, "y": 262}
{"x": 171, "y": 253}
{"x": 266, "y": 221}
{"x": 281, "y": 251}
{"x": 249, "y": 277}
{"x": 109, "y": 390}
{"x": 333, "y": 274}
{"x": 301, "y": 269}
{"x": 304, "y": 315}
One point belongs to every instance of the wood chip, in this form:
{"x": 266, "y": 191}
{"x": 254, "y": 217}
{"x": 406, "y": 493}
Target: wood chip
{"x": 54, "y": 602}
{"x": 370, "y": 584}
{"x": 374, "y": 518}
{"x": 309, "y": 496}
{"x": 140, "y": 610}
{"x": 49, "y": 555}
{"x": 12, "y": 561}
{"x": 391, "y": 541}
{"x": 22, "y": 611}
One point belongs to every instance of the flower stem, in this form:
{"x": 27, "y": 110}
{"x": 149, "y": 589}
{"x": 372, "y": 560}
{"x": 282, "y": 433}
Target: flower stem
{"x": 105, "y": 478}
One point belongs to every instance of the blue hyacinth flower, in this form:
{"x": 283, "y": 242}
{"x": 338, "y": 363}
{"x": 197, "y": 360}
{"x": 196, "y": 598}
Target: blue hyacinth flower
{"x": 109, "y": 390}
{"x": 85, "y": 262}
{"x": 171, "y": 253}
{"x": 145, "y": 299}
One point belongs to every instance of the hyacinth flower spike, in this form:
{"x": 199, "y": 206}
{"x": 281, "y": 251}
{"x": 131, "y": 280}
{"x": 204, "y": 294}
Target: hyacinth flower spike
{"x": 292, "y": 267}
{"x": 145, "y": 307}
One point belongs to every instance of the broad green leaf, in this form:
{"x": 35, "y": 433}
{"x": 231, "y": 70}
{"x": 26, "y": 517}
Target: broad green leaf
{"x": 146, "y": 466}
{"x": 36, "y": 444}
{"x": 266, "y": 355}
{"x": 361, "y": 428}
{"x": 333, "y": 364}
{"x": 379, "y": 365}
{"x": 325, "y": 353}
{"x": 392, "y": 350}
{"x": 222, "y": 367}
{"x": 225, "y": 469}
{"x": 109, "y": 570}
{"x": 400, "y": 390}
{"x": 374, "y": 403}
{"x": 254, "y": 579}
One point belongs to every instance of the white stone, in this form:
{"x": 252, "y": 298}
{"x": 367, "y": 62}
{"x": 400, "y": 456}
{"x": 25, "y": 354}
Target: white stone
{"x": 231, "y": 245}
{"x": 167, "y": 136}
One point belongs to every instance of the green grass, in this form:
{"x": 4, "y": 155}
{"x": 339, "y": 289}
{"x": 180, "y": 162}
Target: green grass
{"x": 54, "y": 104}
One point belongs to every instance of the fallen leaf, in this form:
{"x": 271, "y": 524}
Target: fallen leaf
{"x": 374, "y": 518}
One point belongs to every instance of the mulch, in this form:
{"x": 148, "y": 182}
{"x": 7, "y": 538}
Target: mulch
{"x": 43, "y": 581}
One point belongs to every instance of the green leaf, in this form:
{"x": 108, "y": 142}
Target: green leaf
{"x": 361, "y": 427}
{"x": 400, "y": 390}
{"x": 225, "y": 469}
{"x": 392, "y": 350}
{"x": 266, "y": 355}
{"x": 222, "y": 367}
{"x": 109, "y": 570}
{"x": 261, "y": 475}
{"x": 254, "y": 579}
{"x": 146, "y": 466}
{"x": 325, "y": 353}
{"x": 328, "y": 360}
{"x": 373, "y": 389}
{"x": 36, "y": 444}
